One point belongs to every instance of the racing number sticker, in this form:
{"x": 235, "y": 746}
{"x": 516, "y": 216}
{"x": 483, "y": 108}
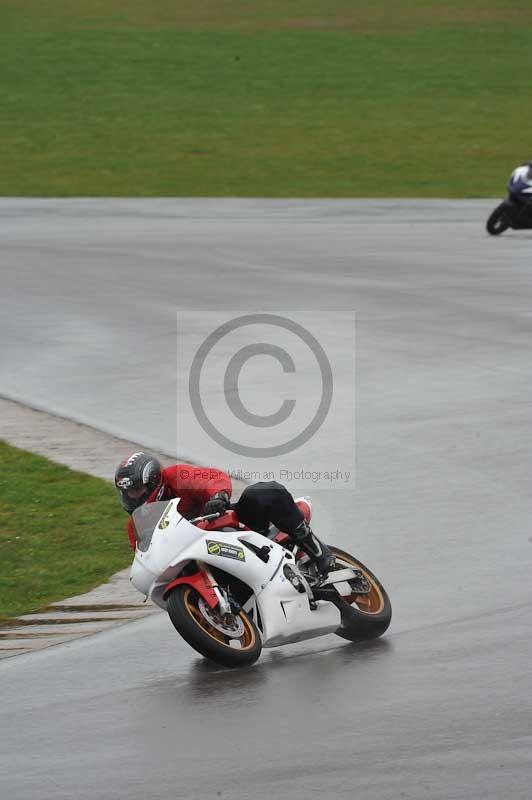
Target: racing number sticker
{"x": 225, "y": 550}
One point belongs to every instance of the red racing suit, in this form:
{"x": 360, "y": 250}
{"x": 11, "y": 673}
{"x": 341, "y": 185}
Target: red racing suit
{"x": 194, "y": 485}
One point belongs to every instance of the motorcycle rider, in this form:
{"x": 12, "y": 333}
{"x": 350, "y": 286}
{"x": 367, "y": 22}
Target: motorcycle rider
{"x": 140, "y": 478}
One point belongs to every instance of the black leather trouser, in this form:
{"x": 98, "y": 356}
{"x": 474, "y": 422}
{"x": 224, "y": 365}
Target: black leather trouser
{"x": 265, "y": 502}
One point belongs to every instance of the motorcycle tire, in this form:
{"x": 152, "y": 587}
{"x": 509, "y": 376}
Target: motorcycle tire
{"x": 203, "y": 629}
{"x": 369, "y": 614}
{"x": 498, "y": 220}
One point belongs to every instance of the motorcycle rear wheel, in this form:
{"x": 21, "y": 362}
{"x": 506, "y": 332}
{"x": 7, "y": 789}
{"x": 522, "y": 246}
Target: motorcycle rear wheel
{"x": 498, "y": 220}
{"x": 203, "y": 629}
{"x": 370, "y": 614}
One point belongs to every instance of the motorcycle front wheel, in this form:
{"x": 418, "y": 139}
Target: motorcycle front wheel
{"x": 498, "y": 220}
{"x": 370, "y": 612}
{"x": 232, "y": 640}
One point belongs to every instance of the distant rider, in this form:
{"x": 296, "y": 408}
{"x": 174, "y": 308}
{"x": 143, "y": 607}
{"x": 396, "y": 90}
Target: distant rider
{"x": 140, "y": 478}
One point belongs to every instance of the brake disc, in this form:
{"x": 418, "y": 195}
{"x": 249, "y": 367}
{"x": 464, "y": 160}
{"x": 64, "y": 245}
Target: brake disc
{"x": 230, "y": 625}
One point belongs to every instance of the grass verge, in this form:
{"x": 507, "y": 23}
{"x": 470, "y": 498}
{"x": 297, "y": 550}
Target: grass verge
{"x": 311, "y": 98}
{"x": 61, "y": 532}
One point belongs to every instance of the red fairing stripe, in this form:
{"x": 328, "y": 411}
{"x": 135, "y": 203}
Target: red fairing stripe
{"x": 228, "y": 520}
{"x": 199, "y": 582}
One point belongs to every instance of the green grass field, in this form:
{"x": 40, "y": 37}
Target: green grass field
{"x": 263, "y": 98}
{"x": 61, "y": 532}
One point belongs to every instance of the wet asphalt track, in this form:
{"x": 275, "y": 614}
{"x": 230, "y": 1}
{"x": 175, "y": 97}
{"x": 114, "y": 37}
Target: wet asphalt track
{"x": 440, "y": 708}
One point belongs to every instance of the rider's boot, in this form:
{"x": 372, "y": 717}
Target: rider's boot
{"x": 311, "y": 545}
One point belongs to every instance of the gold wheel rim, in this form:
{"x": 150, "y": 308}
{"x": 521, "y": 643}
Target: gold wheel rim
{"x": 372, "y": 603}
{"x": 247, "y": 641}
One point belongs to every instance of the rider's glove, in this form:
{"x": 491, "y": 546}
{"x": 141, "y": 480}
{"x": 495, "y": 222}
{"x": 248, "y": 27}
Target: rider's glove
{"x": 218, "y": 504}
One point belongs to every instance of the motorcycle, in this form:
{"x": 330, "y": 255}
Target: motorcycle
{"x": 230, "y": 591}
{"x": 516, "y": 211}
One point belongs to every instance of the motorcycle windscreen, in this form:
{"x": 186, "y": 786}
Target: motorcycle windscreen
{"x": 145, "y": 521}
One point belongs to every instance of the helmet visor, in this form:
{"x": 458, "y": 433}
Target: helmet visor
{"x": 132, "y": 498}
{"x": 134, "y": 494}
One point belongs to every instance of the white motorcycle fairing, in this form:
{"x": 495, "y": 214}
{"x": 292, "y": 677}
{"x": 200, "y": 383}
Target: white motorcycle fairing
{"x": 282, "y": 612}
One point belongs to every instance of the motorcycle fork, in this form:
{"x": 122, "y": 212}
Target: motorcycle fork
{"x": 221, "y": 594}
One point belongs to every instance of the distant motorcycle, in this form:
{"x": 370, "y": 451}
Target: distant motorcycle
{"x": 230, "y": 591}
{"x": 516, "y": 211}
